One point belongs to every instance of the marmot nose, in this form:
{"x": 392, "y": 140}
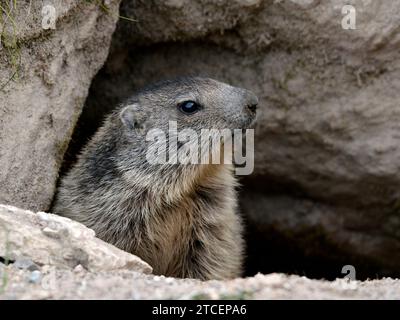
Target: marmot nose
{"x": 252, "y": 107}
{"x": 252, "y": 103}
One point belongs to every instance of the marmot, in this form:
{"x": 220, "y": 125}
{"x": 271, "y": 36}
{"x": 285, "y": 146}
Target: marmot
{"x": 181, "y": 219}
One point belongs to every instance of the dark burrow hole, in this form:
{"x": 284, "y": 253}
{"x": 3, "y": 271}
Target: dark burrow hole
{"x": 267, "y": 250}
{"x": 6, "y": 261}
{"x": 308, "y": 253}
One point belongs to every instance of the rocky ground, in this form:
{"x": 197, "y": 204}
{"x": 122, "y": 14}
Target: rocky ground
{"x": 44, "y": 256}
{"x": 52, "y": 283}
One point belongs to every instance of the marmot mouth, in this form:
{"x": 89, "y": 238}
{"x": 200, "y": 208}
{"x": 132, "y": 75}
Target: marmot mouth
{"x": 241, "y": 123}
{"x": 249, "y": 124}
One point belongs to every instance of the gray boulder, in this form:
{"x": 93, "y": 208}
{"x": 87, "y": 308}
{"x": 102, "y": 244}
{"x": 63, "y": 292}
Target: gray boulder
{"x": 45, "y": 75}
{"x": 47, "y": 239}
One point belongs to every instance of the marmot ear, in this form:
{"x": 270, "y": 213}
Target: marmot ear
{"x": 131, "y": 117}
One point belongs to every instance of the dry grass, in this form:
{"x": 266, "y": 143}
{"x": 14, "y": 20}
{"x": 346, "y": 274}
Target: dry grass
{"x": 8, "y": 38}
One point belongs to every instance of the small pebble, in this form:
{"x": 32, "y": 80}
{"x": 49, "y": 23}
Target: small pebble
{"x": 79, "y": 269}
{"x": 35, "y": 276}
{"x": 25, "y": 264}
{"x": 56, "y": 234}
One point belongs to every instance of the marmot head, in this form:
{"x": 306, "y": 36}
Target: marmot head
{"x": 193, "y": 104}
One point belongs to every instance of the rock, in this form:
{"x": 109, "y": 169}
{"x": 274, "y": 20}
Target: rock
{"x": 45, "y": 75}
{"x": 68, "y": 245}
{"x": 66, "y": 284}
{"x": 284, "y": 232}
{"x": 328, "y": 132}
{"x": 35, "y": 276}
{"x": 25, "y": 264}
{"x": 172, "y": 20}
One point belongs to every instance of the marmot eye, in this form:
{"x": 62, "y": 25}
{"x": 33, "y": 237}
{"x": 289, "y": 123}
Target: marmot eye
{"x": 188, "y": 107}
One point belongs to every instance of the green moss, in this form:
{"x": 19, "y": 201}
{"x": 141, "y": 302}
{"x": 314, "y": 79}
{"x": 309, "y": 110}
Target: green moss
{"x": 241, "y": 295}
{"x": 8, "y": 39}
{"x": 4, "y": 281}
{"x": 4, "y": 275}
{"x": 200, "y": 296}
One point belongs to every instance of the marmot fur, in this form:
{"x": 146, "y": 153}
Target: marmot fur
{"x": 181, "y": 219}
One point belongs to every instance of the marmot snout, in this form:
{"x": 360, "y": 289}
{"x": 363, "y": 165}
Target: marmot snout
{"x": 181, "y": 219}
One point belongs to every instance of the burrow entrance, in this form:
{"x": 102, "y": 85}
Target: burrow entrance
{"x": 127, "y": 70}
